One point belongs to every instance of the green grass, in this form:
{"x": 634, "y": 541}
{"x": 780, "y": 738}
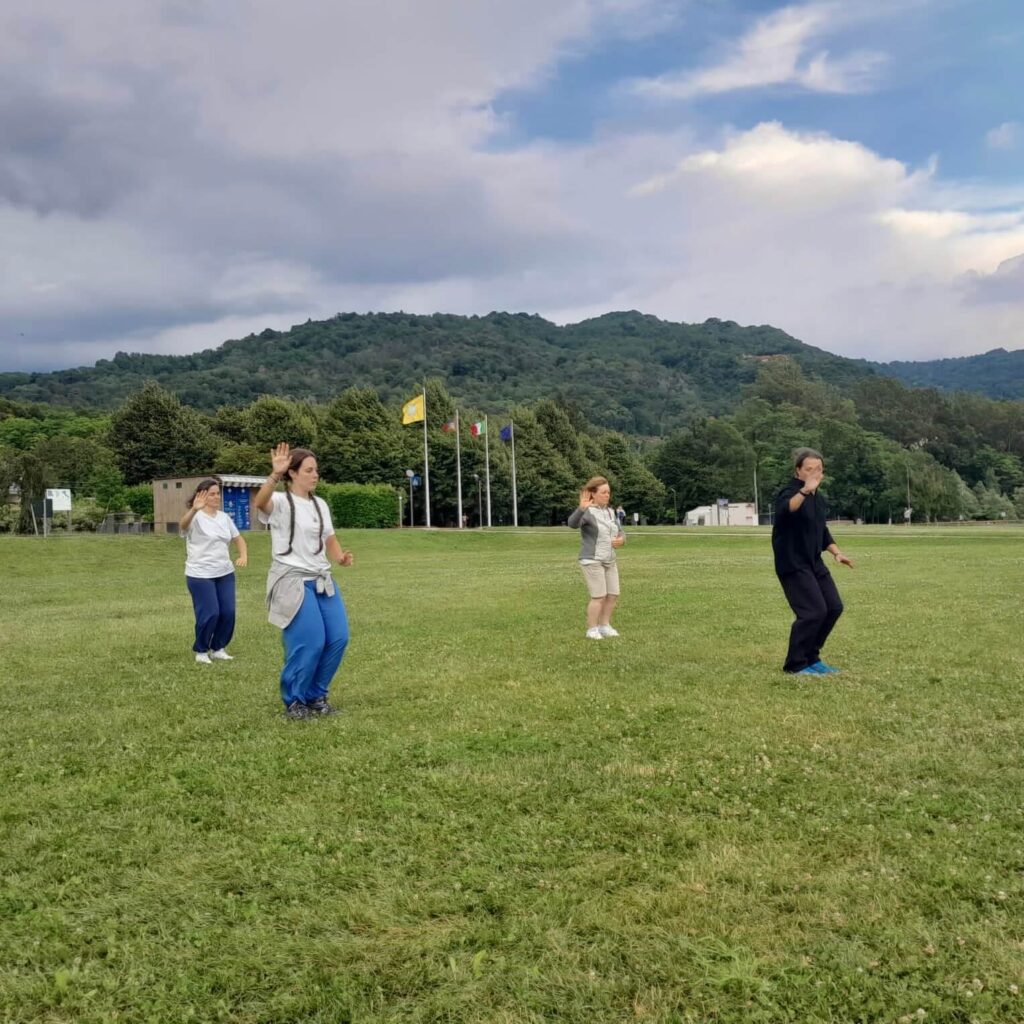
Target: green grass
{"x": 508, "y": 823}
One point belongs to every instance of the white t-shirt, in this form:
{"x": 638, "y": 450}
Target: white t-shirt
{"x": 206, "y": 545}
{"x": 307, "y": 530}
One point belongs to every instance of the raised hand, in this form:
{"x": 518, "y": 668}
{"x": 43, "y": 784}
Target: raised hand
{"x": 279, "y": 459}
{"x": 812, "y": 482}
{"x": 199, "y": 501}
{"x": 586, "y": 498}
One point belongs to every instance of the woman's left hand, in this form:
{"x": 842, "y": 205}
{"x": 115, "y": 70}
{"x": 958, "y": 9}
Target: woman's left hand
{"x": 242, "y": 561}
{"x": 346, "y": 558}
{"x": 618, "y": 540}
{"x": 842, "y": 559}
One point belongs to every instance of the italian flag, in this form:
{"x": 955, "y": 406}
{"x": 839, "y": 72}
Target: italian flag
{"x": 478, "y": 429}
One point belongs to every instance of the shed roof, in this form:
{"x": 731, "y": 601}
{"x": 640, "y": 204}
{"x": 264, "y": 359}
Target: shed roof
{"x": 229, "y": 479}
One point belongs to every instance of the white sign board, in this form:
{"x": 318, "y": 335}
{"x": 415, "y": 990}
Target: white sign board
{"x": 61, "y": 499}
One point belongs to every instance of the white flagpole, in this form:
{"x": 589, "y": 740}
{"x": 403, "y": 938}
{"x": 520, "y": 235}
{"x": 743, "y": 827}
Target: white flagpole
{"x": 487, "y": 468}
{"x": 458, "y": 465}
{"x": 426, "y": 457}
{"x": 515, "y": 497}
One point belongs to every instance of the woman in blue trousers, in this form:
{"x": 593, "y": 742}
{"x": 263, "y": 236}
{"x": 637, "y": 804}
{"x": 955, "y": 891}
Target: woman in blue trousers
{"x": 302, "y": 597}
{"x": 209, "y": 574}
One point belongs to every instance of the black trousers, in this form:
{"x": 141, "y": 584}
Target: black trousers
{"x": 817, "y": 606}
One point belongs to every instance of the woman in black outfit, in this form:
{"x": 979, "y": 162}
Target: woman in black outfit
{"x": 799, "y": 536}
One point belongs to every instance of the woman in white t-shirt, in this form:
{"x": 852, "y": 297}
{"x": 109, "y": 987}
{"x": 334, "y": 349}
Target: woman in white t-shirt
{"x": 208, "y": 570}
{"x": 302, "y": 598}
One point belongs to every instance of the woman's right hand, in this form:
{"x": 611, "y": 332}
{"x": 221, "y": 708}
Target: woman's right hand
{"x": 199, "y": 501}
{"x": 586, "y": 498}
{"x": 279, "y": 459}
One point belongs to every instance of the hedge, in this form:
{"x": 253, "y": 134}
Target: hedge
{"x": 361, "y": 506}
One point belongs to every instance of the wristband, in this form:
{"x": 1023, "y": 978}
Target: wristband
{"x": 804, "y": 494}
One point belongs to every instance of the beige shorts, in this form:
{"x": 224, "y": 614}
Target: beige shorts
{"x": 602, "y": 580}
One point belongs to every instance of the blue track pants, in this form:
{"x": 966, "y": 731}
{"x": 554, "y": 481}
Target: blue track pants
{"x": 314, "y": 644}
{"x": 214, "y": 605}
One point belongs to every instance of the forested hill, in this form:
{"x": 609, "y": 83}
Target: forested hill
{"x": 629, "y": 371}
{"x": 996, "y": 374}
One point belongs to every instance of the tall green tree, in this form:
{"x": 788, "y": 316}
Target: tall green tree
{"x": 269, "y": 421}
{"x": 707, "y": 461}
{"x": 154, "y": 435}
{"x": 634, "y": 486}
{"x": 361, "y": 440}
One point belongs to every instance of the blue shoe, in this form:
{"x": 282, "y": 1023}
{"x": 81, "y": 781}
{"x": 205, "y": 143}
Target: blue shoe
{"x": 811, "y": 670}
{"x": 824, "y": 670}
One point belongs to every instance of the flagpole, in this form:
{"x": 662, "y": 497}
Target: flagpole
{"x": 515, "y": 498}
{"x": 487, "y": 468}
{"x": 458, "y": 465}
{"x": 426, "y": 456}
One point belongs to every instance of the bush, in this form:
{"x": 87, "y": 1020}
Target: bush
{"x": 10, "y": 515}
{"x": 86, "y": 514}
{"x": 361, "y": 506}
{"x": 140, "y": 500}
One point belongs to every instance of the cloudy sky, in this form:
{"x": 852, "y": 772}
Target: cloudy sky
{"x": 174, "y": 173}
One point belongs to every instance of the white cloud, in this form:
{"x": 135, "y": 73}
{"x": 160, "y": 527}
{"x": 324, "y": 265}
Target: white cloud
{"x": 1004, "y": 136}
{"x": 839, "y": 246}
{"x": 789, "y": 167}
{"x": 782, "y": 48}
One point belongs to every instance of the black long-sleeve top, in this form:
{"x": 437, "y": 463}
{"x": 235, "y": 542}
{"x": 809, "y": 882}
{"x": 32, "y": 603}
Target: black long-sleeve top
{"x": 798, "y": 538}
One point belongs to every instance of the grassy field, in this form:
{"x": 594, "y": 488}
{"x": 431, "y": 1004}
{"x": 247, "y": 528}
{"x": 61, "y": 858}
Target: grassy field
{"x": 509, "y": 823}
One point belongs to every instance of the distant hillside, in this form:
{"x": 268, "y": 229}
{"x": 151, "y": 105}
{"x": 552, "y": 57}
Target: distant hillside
{"x": 996, "y": 374}
{"x": 629, "y": 371}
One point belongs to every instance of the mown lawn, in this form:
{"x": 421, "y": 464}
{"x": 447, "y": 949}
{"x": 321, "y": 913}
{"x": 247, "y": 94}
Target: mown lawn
{"x": 509, "y": 823}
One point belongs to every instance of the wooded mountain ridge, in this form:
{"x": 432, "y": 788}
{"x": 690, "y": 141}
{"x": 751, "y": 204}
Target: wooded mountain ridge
{"x": 629, "y": 371}
{"x": 996, "y": 374}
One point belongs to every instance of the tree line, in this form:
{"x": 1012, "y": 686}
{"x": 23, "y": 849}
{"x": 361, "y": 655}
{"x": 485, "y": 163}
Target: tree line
{"x": 950, "y": 456}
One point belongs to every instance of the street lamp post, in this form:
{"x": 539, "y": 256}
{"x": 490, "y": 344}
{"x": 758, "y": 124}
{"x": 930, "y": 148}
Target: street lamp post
{"x": 410, "y": 474}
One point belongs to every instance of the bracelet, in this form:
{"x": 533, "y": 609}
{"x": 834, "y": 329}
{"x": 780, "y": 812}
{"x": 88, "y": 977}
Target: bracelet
{"x": 275, "y": 478}
{"x": 804, "y": 494}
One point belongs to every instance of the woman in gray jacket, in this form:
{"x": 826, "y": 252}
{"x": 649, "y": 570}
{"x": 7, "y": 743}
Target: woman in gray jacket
{"x": 601, "y": 535}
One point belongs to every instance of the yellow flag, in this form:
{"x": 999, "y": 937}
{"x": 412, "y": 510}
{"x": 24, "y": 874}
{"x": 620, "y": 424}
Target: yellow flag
{"x": 412, "y": 411}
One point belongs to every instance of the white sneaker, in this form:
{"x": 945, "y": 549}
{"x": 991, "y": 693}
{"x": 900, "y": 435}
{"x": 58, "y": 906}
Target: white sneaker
{"x": 221, "y": 655}
{"x": 203, "y": 659}
{"x": 594, "y": 634}
{"x": 603, "y": 630}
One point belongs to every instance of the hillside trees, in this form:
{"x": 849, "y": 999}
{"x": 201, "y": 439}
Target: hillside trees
{"x": 154, "y": 435}
{"x": 361, "y": 440}
{"x": 963, "y": 456}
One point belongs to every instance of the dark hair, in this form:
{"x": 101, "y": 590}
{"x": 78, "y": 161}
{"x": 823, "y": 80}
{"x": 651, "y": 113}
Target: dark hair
{"x": 298, "y": 457}
{"x": 204, "y": 485}
{"x": 801, "y": 455}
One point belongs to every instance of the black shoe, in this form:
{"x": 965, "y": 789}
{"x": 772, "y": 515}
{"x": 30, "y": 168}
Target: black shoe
{"x": 321, "y": 706}
{"x": 297, "y": 710}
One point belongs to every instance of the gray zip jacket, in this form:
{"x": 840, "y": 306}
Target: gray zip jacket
{"x": 597, "y": 527}
{"x": 286, "y": 589}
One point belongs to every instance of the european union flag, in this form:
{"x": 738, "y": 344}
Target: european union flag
{"x": 506, "y": 433}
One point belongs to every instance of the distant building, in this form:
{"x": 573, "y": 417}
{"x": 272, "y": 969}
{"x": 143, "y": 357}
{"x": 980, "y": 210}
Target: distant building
{"x": 724, "y": 513}
{"x": 238, "y": 495}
